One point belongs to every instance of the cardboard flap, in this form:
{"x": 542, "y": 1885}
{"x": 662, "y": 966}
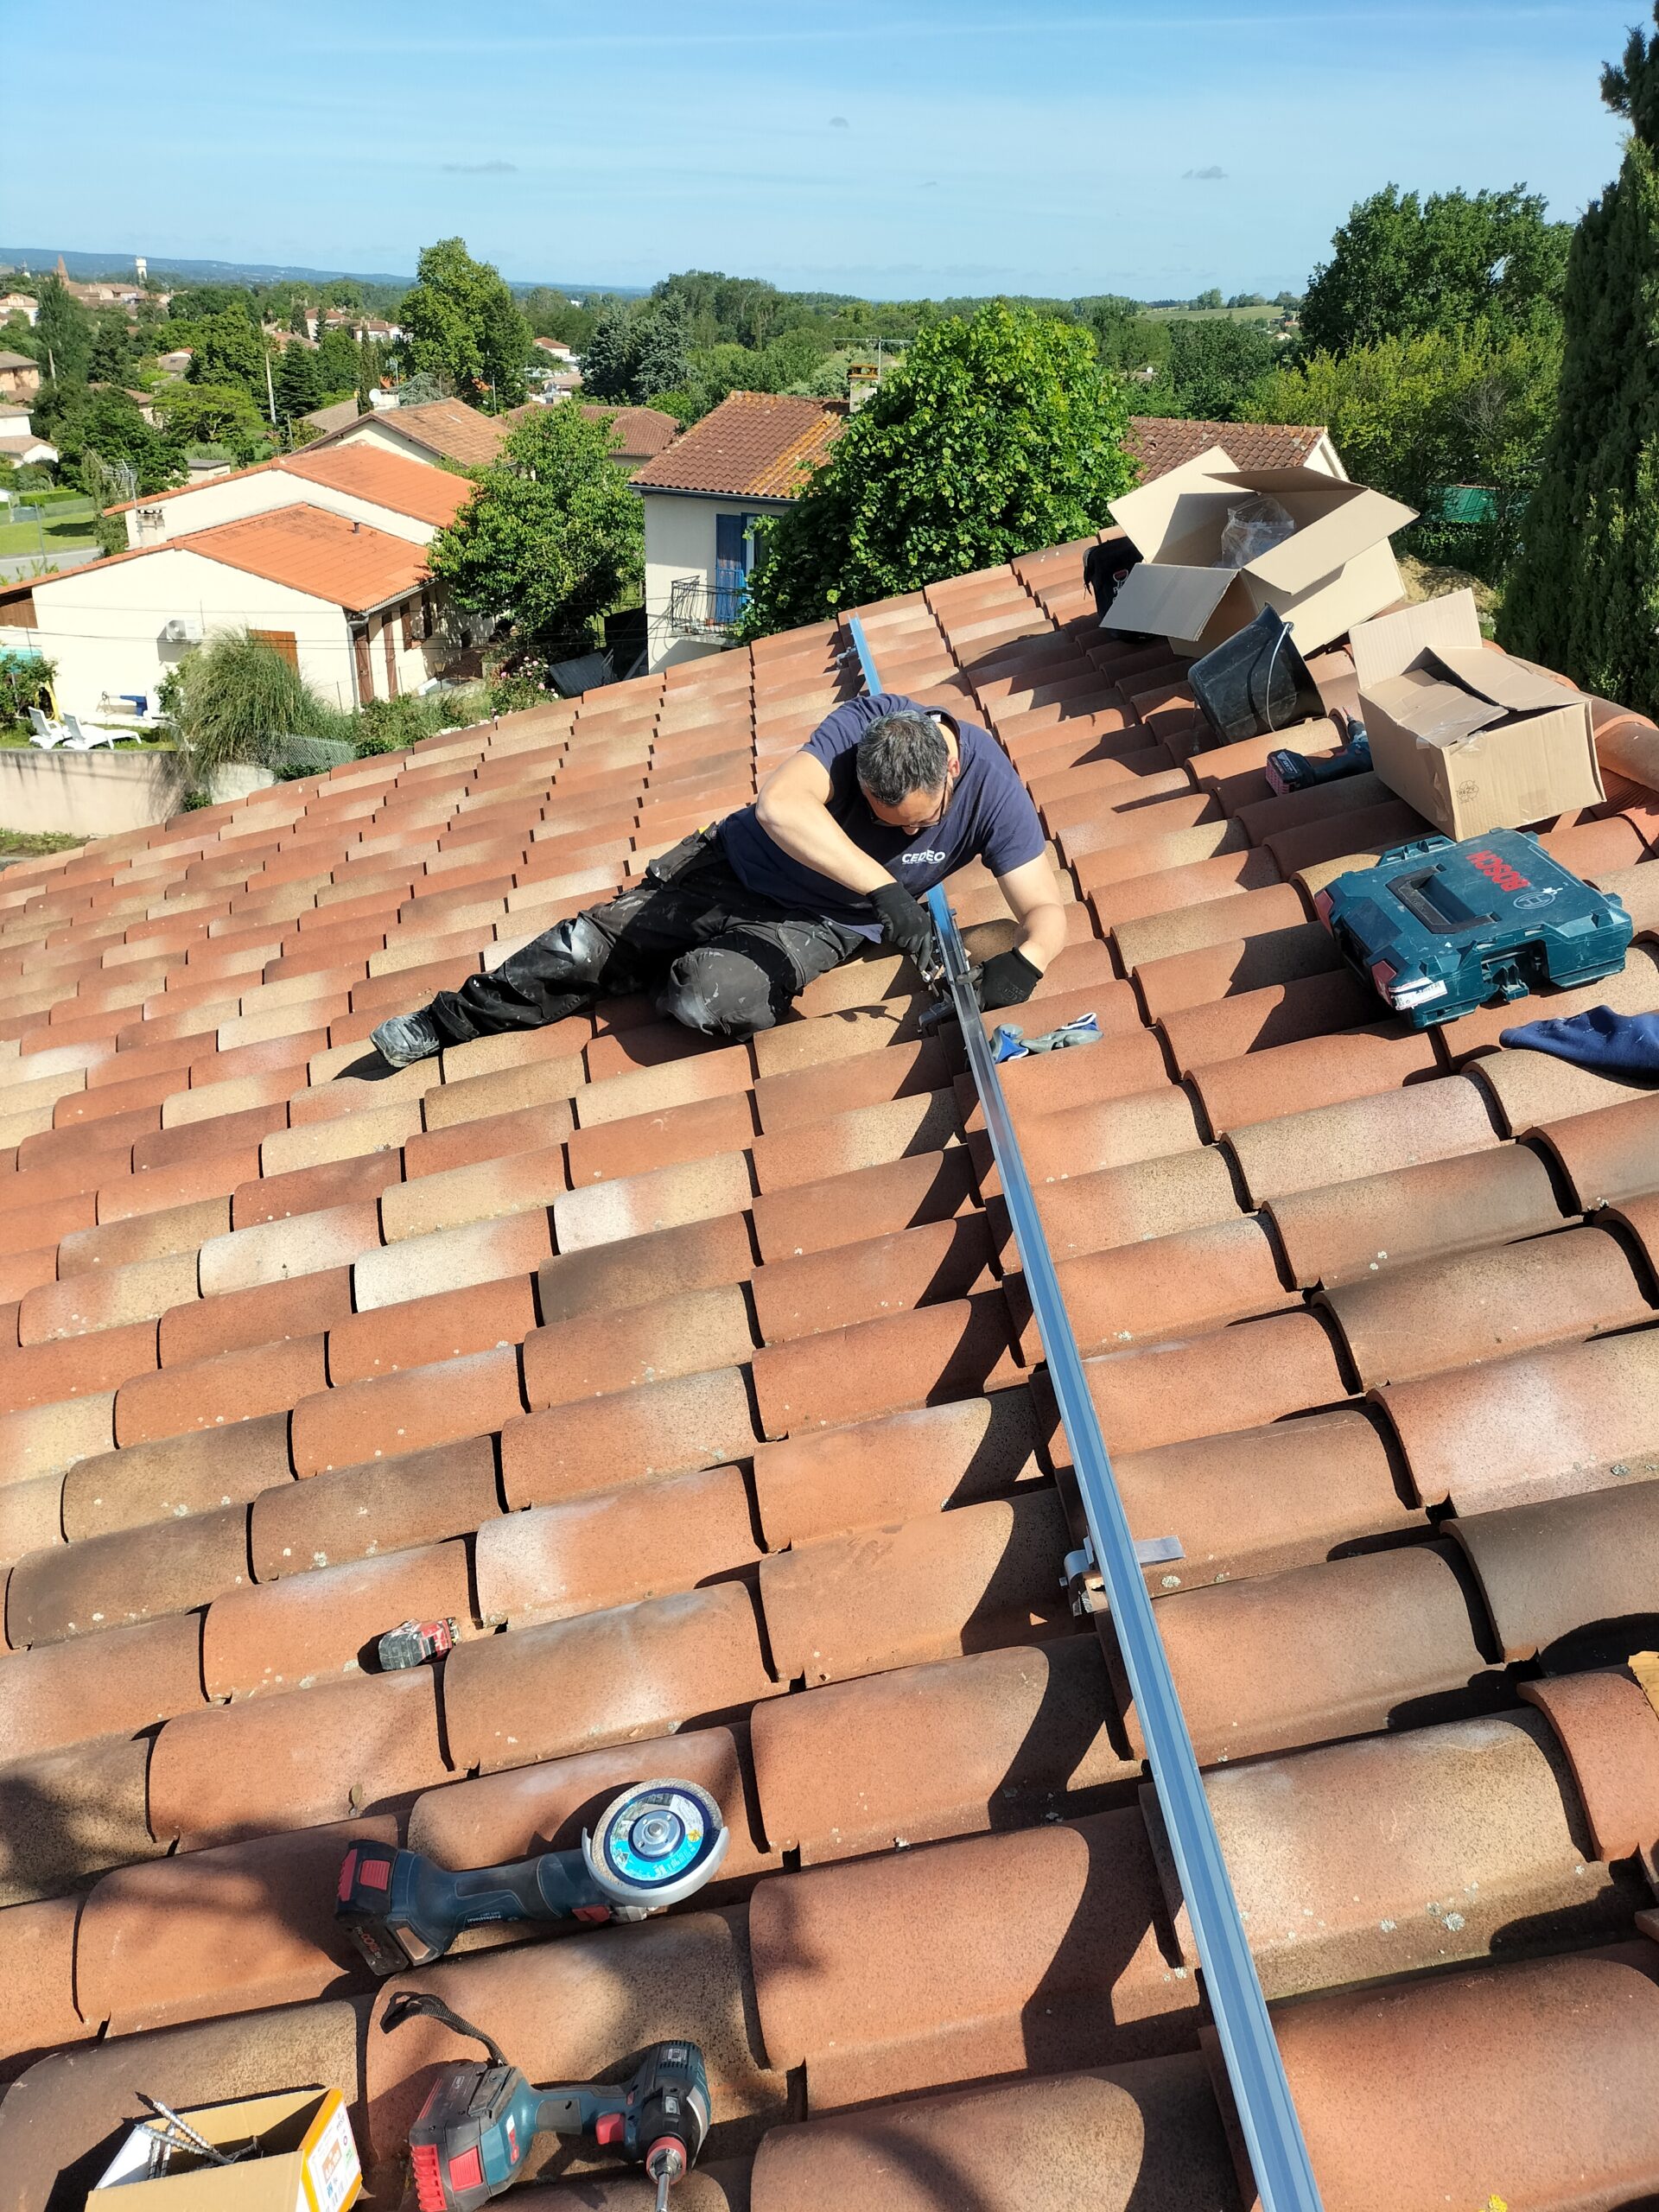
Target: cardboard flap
{"x": 1434, "y": 711}
{"x": 1323, "y": 545}
{"x": 1495, "y": 676}
{"x": 1381, "y": 648}
{"x": 1169, "y": 602}
{"x": 1146, "y": 514}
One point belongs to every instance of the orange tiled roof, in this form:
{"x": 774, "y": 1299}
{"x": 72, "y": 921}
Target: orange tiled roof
{"x": 312, "y": 550}
{"x": 695, "y": 1379}
{"x": 756, "y": 445}
{"x": 642, "y": 431}
{"x": 369, "y": 473}
{"x": 448, "y": 427}
{"x": 1161, "y": 442}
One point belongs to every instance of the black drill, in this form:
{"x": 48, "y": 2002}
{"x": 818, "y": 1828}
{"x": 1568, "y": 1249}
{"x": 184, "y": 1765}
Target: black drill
{"x": 474, "y": 2130}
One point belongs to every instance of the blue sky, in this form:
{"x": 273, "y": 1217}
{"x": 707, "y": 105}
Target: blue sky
{"x": 1152, "y": 146}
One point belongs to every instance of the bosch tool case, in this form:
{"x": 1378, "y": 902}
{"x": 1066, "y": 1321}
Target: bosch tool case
{"x": 1439, "y": 928}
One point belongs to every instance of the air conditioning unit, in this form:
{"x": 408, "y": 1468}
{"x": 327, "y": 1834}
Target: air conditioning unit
{"x": 183, "y": 630}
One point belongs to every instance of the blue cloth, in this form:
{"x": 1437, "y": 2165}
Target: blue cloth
{"x": 1616, "y": 1044}
{"x": 1010, "y": 1042}
{"x": 988, "y": 816}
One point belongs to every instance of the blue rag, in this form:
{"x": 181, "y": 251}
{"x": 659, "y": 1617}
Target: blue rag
{"x": 1010, "y": 1043}
{"x": 1616, "y": 1044}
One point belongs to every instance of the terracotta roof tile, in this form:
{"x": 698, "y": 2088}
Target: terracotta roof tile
{"x": 704, "y": 1375}
{"x": 754, "y": 445}
{"x": 1161, "y": 442}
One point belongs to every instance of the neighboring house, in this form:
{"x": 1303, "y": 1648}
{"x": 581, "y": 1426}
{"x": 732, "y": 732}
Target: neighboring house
{"x": 409, "y": 498}
{"x": 440, "y": 429}
{"x": 145, "y": 403}
{"x": 176, "y": 362}
{"x": 750, "y": 456}
{"x": 23, "y": 304}
{"x": 339, "y": 417}
{"x": 557, "y": 348}
{"x": 20, "y": 378}
{"x": 1161, "y": 442}
{"x": 350, "y": 607}
{"x": 18, "y": 439}
{"x": 638, "y": 434}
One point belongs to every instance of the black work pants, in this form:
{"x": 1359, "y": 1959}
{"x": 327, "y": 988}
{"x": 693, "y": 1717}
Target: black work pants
{"x": 715, "y": 955}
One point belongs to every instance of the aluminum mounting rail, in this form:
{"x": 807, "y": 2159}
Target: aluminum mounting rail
{"x": 1267, "y": 2112}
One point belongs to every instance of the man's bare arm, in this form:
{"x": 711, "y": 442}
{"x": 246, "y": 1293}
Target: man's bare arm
{"x": 1033, "y": 898}
{"x": 793, "y": 810}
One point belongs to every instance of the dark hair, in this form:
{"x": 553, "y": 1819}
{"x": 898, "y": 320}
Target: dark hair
{"x": 901, "y": 753}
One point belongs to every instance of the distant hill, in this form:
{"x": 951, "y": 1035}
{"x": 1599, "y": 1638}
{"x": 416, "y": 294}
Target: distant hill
{"x": 88, "y": 267}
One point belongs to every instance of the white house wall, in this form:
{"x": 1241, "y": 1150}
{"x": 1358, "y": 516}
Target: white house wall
{"x": 103, "y": 627}
{"x": 234, "y": 499}
{"x": 680, "y": 542}
{"x": 377, "y": 430}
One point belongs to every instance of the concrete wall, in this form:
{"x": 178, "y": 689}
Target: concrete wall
{"x": 378, "y": 431}
{"x": 96, "y": 794}
{"x": 232, "y": 498}
{"x": 680, "y": 542}
{"x": 102, "y": 626}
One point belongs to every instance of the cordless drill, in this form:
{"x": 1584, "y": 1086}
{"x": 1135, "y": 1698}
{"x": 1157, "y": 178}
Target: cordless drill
{"x": 473, "y": 2132}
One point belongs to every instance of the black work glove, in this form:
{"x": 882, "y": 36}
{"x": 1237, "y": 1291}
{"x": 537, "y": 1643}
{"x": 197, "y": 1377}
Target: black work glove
{"x": 1008, "y": 979}
{"x": 905, "y": 923}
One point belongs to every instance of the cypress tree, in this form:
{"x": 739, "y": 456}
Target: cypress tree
{"x": 1584, "y": 594}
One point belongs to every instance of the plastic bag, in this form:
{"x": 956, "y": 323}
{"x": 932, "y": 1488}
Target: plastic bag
{"x": 1254, "y": 527}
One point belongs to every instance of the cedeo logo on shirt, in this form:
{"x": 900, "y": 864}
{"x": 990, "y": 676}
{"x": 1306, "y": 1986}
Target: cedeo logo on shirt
{"x": 921, "y": 860}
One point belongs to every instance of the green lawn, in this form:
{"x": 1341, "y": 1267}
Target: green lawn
{"x": 64, "y": 527}
{"x": 1267, "y": 314}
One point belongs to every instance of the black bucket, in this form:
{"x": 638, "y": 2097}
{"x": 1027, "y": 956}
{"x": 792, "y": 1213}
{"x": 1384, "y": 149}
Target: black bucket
{"x": 1254, "y": 682}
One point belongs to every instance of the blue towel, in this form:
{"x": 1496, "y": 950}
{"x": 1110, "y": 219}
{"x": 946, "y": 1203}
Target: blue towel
{"x": 1615, "y": 1044}
{"x": 1011, "y": 1043}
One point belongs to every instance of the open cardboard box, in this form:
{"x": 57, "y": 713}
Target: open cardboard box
{"x": 306, "y": 2160}
{"x": 1335, "y": 570}
{"x": 1473, "y": 740}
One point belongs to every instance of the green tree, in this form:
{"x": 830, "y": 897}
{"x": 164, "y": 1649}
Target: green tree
{"x": 196, "y": 303}
{"x": 1400, "y": 266}
{"x": 63, "y": 333}
{"x": 1414, "y": 415}
{"x": 111, "y": 359}
{"x": 613, "y": 354}
{"x": 214, "y": 415}
{"x": 236, "y": 698}
{"x": 1211, "y": 370}
{"x": 1584, "y": 593}
{"x": 337, "y": 363}
{"x": 1000, "y": 433}
{"x": 299, "y": 387}
{"x": 228, "y": 349}
{"x": 662, "y": 365}
{"x": 1210, "y": 299}
{"x": 551, "y": 539}
{"x": 108, "y": 424}
{"x": 464, "y": 327}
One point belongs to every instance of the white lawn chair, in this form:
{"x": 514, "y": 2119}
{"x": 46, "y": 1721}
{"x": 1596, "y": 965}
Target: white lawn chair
{"x": 47, "y": 735}
{"x": 85, "y": 740}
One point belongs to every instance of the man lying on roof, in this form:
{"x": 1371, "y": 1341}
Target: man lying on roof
{"x": 886, "y": 799}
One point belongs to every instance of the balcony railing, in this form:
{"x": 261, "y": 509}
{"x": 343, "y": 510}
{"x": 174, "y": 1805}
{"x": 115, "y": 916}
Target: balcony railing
{"x": 697, "y": 608}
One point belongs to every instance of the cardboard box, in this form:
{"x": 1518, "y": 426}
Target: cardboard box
{"x": 307, "y": 2161}
{"x": 1473, "y": 740}
{"x": 1337, "y": 570}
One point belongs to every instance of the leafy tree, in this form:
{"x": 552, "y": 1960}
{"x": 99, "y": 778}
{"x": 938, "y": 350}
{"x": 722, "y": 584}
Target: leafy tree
{"x": 299, "y": 387}
{"x": 608, "y": 365}
{"x": 420, "y": 390}
{"x": 661, "y": 364}
{"x": 1210, "y": 299}
{"x": 336, "y": 358}
{"x": 196, "y": 303}
{"x": 999, "y": 435}
{"x": 1211, "y": 370}
{"x": 550, "y": 315}
{"x": 227, "y": 349}
{"x": 464, "y": 327}
{"x": 552, "y": 537}
{"x": 1287, "y": 299}
{"x": 108, "y": 424}
{"x": 299, "y": 322}
{"x": 111, "y": 359}
{"x": 1584, "y": 594}
{"x": 63, "y": 333}
{"x": 1400, "y": 266}
{"x": 214, "y": 415}
{"x": 1414, "y": 415}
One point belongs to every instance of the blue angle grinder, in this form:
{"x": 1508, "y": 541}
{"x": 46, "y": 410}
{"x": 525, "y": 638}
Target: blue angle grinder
{"x": 473, "y": 2134}
{"x": 656, "y": 1843}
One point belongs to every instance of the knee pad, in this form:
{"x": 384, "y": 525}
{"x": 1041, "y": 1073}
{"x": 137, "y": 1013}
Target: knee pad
{"x": 572, "y": 952}
{"x": 717, "y": 992}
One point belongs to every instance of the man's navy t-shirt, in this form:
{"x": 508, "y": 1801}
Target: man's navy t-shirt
{"x": 990, "y": 817}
